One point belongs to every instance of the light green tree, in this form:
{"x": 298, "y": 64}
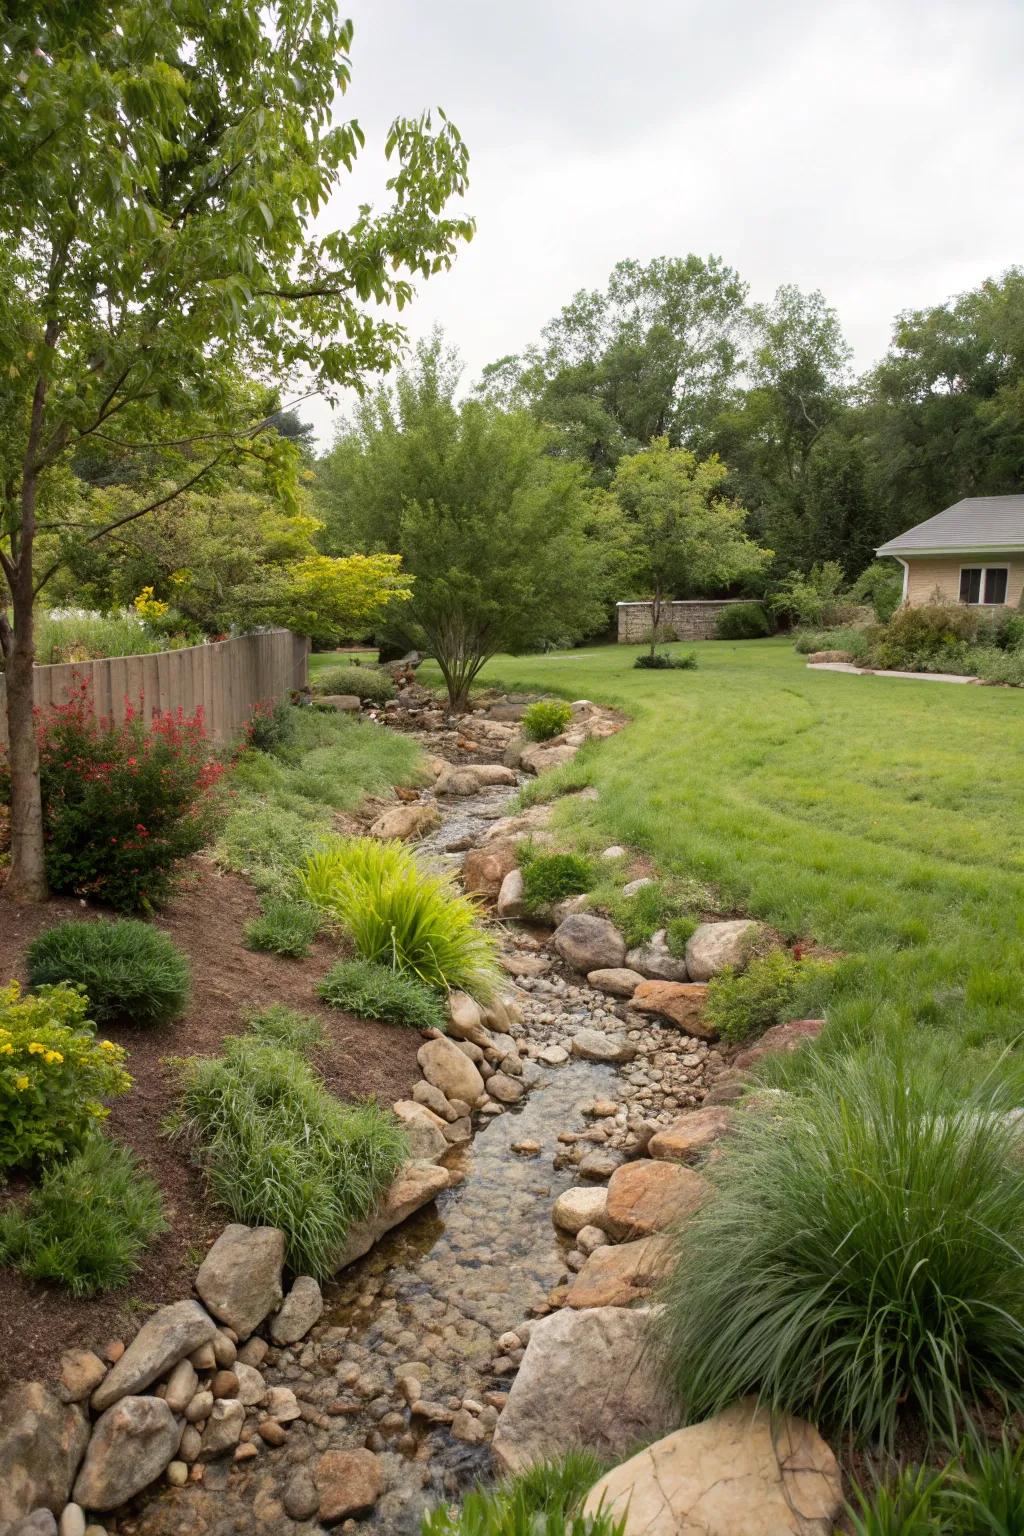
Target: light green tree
{"x": 161, "y": 169}
{"x": 685, "y": 535}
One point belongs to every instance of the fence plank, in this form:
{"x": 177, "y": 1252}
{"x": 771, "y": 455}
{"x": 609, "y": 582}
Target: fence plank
{"x": 228, "y": 678}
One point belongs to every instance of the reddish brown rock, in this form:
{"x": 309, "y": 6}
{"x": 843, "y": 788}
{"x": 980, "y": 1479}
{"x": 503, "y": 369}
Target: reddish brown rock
{"x": 348, "y": 1482}
{"x": 681, "y": 1002}
{"x": 647, "y": 1196}
{"x": 690, "y": 1136}
{"x": 483, "y": 869}
{"x": 620, "y": 1274}
{"x": 781, "y": 1037}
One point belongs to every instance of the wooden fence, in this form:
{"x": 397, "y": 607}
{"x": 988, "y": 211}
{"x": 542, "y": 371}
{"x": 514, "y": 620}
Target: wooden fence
{"x": 228, "y": 679}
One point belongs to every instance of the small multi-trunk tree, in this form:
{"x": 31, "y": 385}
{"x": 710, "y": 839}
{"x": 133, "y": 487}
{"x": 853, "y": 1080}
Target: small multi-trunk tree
{"x": 161, "y": 168}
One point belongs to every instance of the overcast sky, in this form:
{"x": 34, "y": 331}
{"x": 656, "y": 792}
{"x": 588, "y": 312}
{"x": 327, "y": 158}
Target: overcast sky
{"x": 870, "y": 148}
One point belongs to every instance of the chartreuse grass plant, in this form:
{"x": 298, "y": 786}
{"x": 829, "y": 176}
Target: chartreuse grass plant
{"x": 130, "y": 971}
{"x": 400, "y": 916}
{"x": 862, "y": 1258}
{"x": 87, "y": 1221}
{"x": 552, "y": 877}
{"x": 373, "y": 991}
{"x": 546, "y": 1500}
{"x": 279, "y": 1150}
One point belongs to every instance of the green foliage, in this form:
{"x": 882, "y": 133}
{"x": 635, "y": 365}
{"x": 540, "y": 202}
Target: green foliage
{"x": 881, "y": 585}
{"x": 508, "y": 546}
{"x": 271, "y": 727}
{"x": 932, "y": 637}
{"x": 856, "y": 641}
{"x": 904, "y": 1507}
{"x": 86, "y": 1222}
{"x": 365, "y": 682}
{"x": 400, "y": 916}
{"x": 131, "y": 973}
{"x": 678, "y": 933}
{"x": 640, "y": 916}
{"x": 544, "y": 1501}
{"x": 281, "y": 1151}
{"x": 979, "y": 1493}
{"x": 742, "y": 621}
{"x": 284, "y": 927}
{"x": 373, "y": 991}
{"x": 860, "y": 1259}
{"x": 77, "y": 635}
{"x": 545, "y": 718}
{"x": 812, "y": 598}
{"x": 551, "y": 877}
{"x": 280, "y": 1025}
{"x": 773, "y": 987}
{"x": 662, "y": 661}
{"x": 54, "y": 1074}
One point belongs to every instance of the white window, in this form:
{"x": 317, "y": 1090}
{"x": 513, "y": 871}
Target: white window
{"x": 983, "y": 584}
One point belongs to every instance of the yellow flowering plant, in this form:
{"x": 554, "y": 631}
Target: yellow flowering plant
{"x": 54, "y": 1074}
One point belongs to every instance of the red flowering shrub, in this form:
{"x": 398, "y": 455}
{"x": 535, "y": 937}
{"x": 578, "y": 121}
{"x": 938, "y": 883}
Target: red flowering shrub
{"x": 123, "y": 803}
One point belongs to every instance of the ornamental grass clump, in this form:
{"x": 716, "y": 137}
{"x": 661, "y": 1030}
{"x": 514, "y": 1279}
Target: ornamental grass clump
{"x": 279, "y": 1150}
{"x": 546, "y": 1500}
{"x": 399, "y": 916}
{"x": 861, "y": 1260}
{"x": 130, "y": 971}
{"x": 284, "y": 927}
{"x": 373, "y": 991}
{"x": 54, "y": 1075}
{"x": 552, "y": 877}
{"x": 366, "y": 683}
{"x": 87, "y": 1222}
{"x": 546, "y": 718}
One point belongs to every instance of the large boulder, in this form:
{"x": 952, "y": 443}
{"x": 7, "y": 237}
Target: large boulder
{"x": 542, "y": 756}
{"x": 42, "y": 1441}
{"x": 407, "y": 821}
{"x": 415, "y": 1185}
{"x": 645, "y": 1197}
{"x": 171, "y": 1334}
{"x": 655, "y": 961}
{"x": 300, "y": 1309}
{"x": 466, "y": 1020}
{"x": 448, "y": 1068}
{"x": 586, "y": 1379}
{"x": 491, "y": 774}
{"x": 741, "y": 1473}
{"x": 681, "y": 1002}
{"x": 131, "y": 1445}
{"x": 240, "y": 1278}
{"x": 483, "y": 869}
{"x": 458, "y": 781}
{"x": 511, "y": 901}
{"x": 716, "y": 947}
{"x": 789, "y": 1036}
{"x": 618, "y": 1275}
{"x": 589, "y": 943}
{"x": 424, "y": 1130}
{"x": 691, "y": 1135}
{"x": 595, "y": 1045}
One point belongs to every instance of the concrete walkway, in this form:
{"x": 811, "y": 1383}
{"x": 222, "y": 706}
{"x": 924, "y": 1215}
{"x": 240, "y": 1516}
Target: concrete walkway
{"x": 916, "y": 677}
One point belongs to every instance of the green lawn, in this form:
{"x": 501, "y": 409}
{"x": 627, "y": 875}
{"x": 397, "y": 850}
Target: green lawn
{"x": 323, "y": 661}
{"x": 880, "y": 817}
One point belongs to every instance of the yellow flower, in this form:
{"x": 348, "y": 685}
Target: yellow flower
{"x": 35, "y": 1049}
{"x": 53, "y": 1056}
{"x": 21, "y": 1083}
{"x": 6, "y": 1050}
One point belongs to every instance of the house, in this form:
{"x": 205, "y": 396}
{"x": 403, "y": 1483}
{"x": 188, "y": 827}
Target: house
{"x": 971, "y": 553}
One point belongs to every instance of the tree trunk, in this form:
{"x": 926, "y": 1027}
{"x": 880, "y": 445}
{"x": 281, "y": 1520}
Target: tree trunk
{"x": 26, "y": 881}
{"x": 655, "y": 618}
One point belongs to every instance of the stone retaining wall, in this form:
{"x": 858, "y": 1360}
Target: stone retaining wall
{"x": 692, "y": 619}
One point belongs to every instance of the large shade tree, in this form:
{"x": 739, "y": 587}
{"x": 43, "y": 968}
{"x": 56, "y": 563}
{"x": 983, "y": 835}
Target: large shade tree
{"x": 161, "y": 169}
{"x": 508, "y": 546}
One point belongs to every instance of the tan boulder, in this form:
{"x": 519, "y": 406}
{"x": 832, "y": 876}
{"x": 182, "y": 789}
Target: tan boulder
{"x": 716, "y": 947}
{"x": 542, "y": 756}
{"x": 681, "y": 1002}
{"x": 737, "y": 1474}
{"x": 424, "y": 1130}
{"x": 581, "y": 1206}
{"x": 448, "y": 1068}
{"x": 348, "y": 1482}
{"x": 415, "y": 1185}
{"x": 466, "y": 1020}
{"x": 620, "y": 1274}
{"x": 511, "y": 901}
{"x": 407, "y": 821}
{"x": 483, "y": 869}
{"x": 645, "y": 1197}
{"x": 344, "y": 703}
{"x": 618, "y": 980}
{"x": 690, "y": 1135}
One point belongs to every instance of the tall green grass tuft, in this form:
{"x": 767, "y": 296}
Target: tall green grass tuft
{"x": 399, "y": 916}
{"x": 284, "y": 927}
{"x": 980, "y": 1493}
{"x": 86, "y": 1222}
{"x": 373, "y": 991}
{"x": 543, "y": 1501}
{"x": 131, "y": 972}
{"x": 280, "y": 1151}
{"x": 862, "y": 1258}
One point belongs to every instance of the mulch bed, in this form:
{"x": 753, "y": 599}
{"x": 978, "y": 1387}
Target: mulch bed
{"x": 359, "y": 1059}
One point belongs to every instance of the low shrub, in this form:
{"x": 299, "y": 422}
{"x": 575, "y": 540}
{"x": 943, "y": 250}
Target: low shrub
{"x": 373, "y": 991}
{"x": 54, "y": 1074}
{"x": 661, "y": 661}
{"x": 546, "y": 1500}
{"x": 772, "y": 988}
{"x": 551, "y": 877}
{"x": 856, "y": 641}
{"x": 271, "y": 727}
{"x": 860, "y": 1260}
{"x": 366, "y": 683}
{"x": 743, "y": 621}
{"x": 131, "y": 972}
{"x": 545, "y": 718}
{"x": 996, "y": 666}
{"x": 400, "y": 916}
{"x": 280, "y": 1151}
{"x": 640, "y": 916}
{"x": 123, "y": 804}
{"x": 284, "y": 927}
{"x": 86, "y": 1223}
{"x": 932, "y": 637}
{"x": 678, "y": 933}
{"x": 282, "y": 1025}
{"x": 881, "y": 585}
{"x": 980, "y": 1492}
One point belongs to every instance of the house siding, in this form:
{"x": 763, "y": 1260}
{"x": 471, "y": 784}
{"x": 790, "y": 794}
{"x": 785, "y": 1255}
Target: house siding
{"x": 928, "y": 574}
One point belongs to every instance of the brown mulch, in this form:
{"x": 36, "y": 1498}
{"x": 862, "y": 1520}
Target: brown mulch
{"x": 359, "y": 1059}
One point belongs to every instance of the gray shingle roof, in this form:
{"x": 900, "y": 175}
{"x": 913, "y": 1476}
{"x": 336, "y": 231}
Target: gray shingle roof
{"x": 977, "y": 523}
